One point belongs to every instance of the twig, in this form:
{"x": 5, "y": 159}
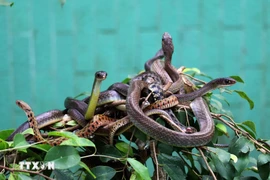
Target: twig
{"x": 105, "y": 156}
{"x": 130, "y": 140}
{"x": 205, "y": 160}
{"x": 193, "y": 78}
{"x": 225, "y": 122}
{"x": 186, "y": 116}
{"x": 236, "y": 129}
{"x": 188, "y": 152}
{"x": 117, "y": 103}
{"x": 154, "y": 157}
{"x": 26, "y": 171}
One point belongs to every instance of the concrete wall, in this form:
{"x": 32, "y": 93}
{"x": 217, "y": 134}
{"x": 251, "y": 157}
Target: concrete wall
{"x": 49, "y": 52}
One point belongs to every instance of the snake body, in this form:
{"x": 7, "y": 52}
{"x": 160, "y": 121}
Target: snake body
{"x": 165, "y": 70}
{"x": 31, "y": 119}
{"x": 99, "y": 77}
{"x": 158, "y": 55}
{"x": 43, "y": 120}
{"x": 163, "y": 134}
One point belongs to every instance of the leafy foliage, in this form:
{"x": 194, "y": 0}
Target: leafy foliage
{"x": 131, "y": 156}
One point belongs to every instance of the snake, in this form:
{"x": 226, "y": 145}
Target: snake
{"x": 159, "y": 54}
{"x": 123, "y": 124}
{"x": 31, "y": 119}
{"x": 178, "y": 98}
{"x": 165, "y": 70}
{"x": 168, "y": 136}
{"x": 89, "y": 129}
{"x": 99, "y": 77}
{"x": 43, "y": 120}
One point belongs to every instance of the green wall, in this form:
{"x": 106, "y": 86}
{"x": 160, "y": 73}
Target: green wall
{"x": 49, "y": 52}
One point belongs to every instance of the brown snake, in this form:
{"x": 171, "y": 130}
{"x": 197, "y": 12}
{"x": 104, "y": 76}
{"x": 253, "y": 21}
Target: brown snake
{"x": 201, "y": 111}
{"x": 168, "y": 136}
{"x": 166, "y": 71}
{"x": 88, "y": 130}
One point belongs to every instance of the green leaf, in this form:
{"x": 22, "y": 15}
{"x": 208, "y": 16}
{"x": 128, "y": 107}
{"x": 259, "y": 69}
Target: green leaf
{"x": 216, "y": 104}
{"x": 78, "y": 142}
{"x": 83, "y": 165}
{"x": 24, "y": 177}
{"x": 42, "y": 147}
{"x": 219, "y": 96}
{"x": 244, "y": 96}
{"x": 263, "y": 165}
{"x": 251, "y": 125}
{"x": 263, "y": 159}
{"x": 135, "y": 176}
{"x": 242, "y": 163}
{"x": 73, "y": 140}
{"x": 125, "y": 81}
{"x": 165, "y": 148}
{"x": 139, "y": 168}
{"x": 247, "y": 178}
{"x": 83, "y": 94}
{"x": 58, "y": 124}
{"x": 222, "y": 128}
{"x": 240, "y": 145}
{"x": 71, "y": 123}
{"x": 20, "y": 143}
{"x": 63, "y": 134}
{"x": 63, "y": 157}
{"x": 2, "y": 176}
{"x": 12, "y": 176}
{"x": 102, "y": 173}
{"x": 222, "y": 168}
{"x": 3, "y": 144}
{"x": 125, "y": 148}
{"x": 223, "y": 156}
{"x": 5, "y": 133}
{"x": 140, "y": 135}
{"x": 195, "y": 71}
{"x": 109, "y": 151}
{"x": 234, "y": 158}
{"x": 237, "y": 78}
{"x": 28, "y": 131}
{"x": 65, "y": 174}
{"x": 247, "y": 130}
{"x": 173, "y": 165}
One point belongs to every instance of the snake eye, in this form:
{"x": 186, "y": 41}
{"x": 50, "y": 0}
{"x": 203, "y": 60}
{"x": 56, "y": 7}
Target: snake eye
{"x": 229, "y": 81}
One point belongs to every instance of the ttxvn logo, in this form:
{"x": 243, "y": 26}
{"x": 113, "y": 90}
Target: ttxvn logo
{"x": 36, "y": 165}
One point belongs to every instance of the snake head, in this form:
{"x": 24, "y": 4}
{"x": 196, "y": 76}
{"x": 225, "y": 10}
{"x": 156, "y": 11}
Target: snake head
{"x": 223, "y": 82}
{"x": 229, "y": 81}
{"x": 167, "y": 44}
{"x": 101, "y": 75}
